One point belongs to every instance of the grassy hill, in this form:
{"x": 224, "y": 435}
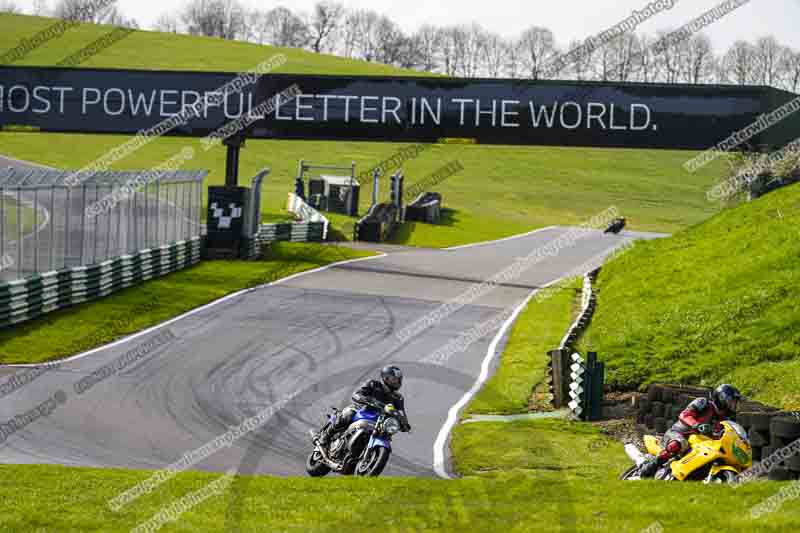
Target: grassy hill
{"x": 151, "y": 50}
{"x": 502, "y": 190}
{"x": 717, "y": 302}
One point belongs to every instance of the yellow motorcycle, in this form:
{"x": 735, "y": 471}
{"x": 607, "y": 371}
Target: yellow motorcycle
{"x": 711, "y": 460}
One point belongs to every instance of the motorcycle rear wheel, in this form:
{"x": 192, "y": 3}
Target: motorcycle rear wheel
{"x": 315, "y": 466}
{"x": 726, "y": 476}
{"x": 373, "y": 463}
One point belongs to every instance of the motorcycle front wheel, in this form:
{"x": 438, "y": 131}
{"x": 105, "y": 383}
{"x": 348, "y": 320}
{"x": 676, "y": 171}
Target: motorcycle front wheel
{"x": 373, "y": 462}
{"x": 630, "y": 473}
{"x": 315, "y": 466}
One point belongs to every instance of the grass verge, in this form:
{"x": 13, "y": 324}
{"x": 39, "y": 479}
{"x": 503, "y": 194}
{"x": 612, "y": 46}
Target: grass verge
{"x": 537, "y": 330}
{"x": 556, "y": 477}
{"x": 524, "y": 476}
{"x": 502, "y": 191}
{"x": 86, "y": 326}
{"x": 715, "y": 303}
{"x": 149, "y": 50}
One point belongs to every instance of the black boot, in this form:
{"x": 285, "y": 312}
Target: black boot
{"x": 326, "y": 434}
{"x": 650, "y": 468}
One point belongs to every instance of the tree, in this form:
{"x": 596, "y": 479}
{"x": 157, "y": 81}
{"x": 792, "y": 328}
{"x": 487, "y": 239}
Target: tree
{"x": 215, "y": 18}
{"x": 324, "y": 22}
{"x": 646, "y": 65}
{"x": 428, "y": 43}
{"x": 698, "y": 60}
{"x": 768, "y": 59}
{"x": 279, "y": 27}
{"x": 389, "y": 41}
{"x": 537, "y": 45}
{"x": 790, "y": 66}
{"x": 349, "y": 34}
{"x": 467, "y": 43}
{"x": 7, "y": 6}
{"x": 580, "y": 66}
{"x": 166, "y": 23}
{"x": 514, "y": 59}
{"x": 622, "y": 52}
{"x": 365, "y": 27}
{"x": 740, "y": 64}
{"x": 604, "y": 66}
{"x": 494, "y": 54}
{"x": 115, "y": 17}
{"x": 449, "y": 53}
{"x": 669, "y": 57}
{"x": 82, "y": 11}
{"x": 40, "y": 8}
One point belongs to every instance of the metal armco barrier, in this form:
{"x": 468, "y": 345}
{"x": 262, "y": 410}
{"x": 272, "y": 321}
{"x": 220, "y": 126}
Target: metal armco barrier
{"x": 427, "y": 207}
{"x": 29, "y": 298}
{"x": 588, "y": 306}
{"x": 378, "y": 224}
{"x": 300, "y": 209}
{"x": 559, "y": 363}
{"x": 289, "y": 231}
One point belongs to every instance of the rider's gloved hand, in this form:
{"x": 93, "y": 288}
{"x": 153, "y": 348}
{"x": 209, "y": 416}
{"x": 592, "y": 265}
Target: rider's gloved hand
{"x": 704, "y": 429}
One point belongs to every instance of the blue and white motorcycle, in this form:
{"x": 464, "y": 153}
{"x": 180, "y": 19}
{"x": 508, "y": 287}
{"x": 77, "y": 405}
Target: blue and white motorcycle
{"x": 363, "y": 448}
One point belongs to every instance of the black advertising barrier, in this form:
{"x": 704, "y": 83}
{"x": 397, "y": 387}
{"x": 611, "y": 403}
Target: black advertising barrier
{"x": 403, "y": 109}
{"x": 116, "y": 101}
{"x": 560, "y": 113}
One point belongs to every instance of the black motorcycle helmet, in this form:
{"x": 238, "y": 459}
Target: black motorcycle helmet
{"x": 392, "y": 378}
{"x": 727, "y": 397}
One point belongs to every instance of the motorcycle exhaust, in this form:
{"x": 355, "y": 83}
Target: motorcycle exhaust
{"x": 635, "y": 455}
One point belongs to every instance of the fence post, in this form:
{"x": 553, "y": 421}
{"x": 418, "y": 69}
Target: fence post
{"x": 35, "y": 229}
{"x": 52, "y": 226}
{"x": 595, "y": 371}
{"x": 559, "y": 363}
{"x": 20, "y": 242}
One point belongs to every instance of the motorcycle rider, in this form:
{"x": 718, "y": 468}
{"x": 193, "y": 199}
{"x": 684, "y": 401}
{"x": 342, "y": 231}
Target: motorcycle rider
{"x": 702, "y": 416}
{"x": 375, "y": 393}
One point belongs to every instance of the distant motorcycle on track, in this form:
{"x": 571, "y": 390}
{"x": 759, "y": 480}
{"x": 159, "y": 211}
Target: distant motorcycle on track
{"x": 363, "y": 448}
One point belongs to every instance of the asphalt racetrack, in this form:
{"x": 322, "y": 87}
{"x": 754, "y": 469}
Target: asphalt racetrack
{"x": 290, "y": 349}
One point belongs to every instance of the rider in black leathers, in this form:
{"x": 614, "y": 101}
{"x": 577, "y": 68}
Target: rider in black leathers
{"x": 375, "y": 393}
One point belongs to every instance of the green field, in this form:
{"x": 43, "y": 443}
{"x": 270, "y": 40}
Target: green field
{"x": 503, "y": 190}
{"x": 89, "y": 325}
{"x": 524, "y": 476}
{"x": 150, "y": 50}
{"x": 732, "y": 315}
{"x": 717, "y": 302}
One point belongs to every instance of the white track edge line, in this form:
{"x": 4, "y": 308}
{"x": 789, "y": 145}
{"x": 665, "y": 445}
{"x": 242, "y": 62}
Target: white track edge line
{"x": 190, "y": 313}
{"x": 483, "y": 243}
{"x": 440, "y": 445}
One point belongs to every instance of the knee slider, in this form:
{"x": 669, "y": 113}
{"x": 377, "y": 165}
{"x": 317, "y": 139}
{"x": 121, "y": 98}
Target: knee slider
{"x": 674, "y": 447}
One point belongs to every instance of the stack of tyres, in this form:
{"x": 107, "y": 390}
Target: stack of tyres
{"x": 775, "y": 435}
{"x": 660, "y": 409}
